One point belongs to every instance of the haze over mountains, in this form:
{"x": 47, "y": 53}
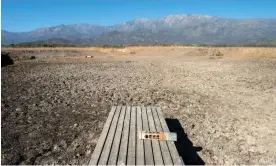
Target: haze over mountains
{"x": 173, "y": 29}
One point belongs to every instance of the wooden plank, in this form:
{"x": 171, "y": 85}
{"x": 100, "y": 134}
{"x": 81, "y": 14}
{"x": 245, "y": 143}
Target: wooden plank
{"x": 101, "y": 141}
{"x": 163, "y": 145}
{"x": 117, "y": 139}
{"x": 175, "y": 156}
{"x": 109, "y": 139}
{"x": 155, "y": 143}
{"x": 122, "y": 157}
{"x": 140, "y": 145}
{"x": 147, "y": 143}
{"x": 131, "y": 155}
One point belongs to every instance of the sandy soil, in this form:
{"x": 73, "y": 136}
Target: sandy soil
{"x": 53, "y": 107}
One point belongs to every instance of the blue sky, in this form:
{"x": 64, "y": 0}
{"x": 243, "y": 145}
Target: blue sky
{"x": 26, "y": 15}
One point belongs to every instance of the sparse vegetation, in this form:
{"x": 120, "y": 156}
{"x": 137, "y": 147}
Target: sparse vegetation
{"x": 24, "y": 45}
{"x": 132, "y": 52}
{"x": 219, "y": 54}
{"x": 112, "y": 46}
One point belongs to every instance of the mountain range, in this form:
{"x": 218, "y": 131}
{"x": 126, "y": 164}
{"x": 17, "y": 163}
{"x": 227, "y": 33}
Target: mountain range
{"x": 173, "y": 29}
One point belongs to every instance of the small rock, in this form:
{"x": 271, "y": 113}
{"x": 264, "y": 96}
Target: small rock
{"x": 47, "y": 160}
{"x": 88, "y": 152}
{"x": 18, "y": 109}
{"x": 56, "y": 147}
{"x": 75, "y": 125}
{"x": 63, "y": 144}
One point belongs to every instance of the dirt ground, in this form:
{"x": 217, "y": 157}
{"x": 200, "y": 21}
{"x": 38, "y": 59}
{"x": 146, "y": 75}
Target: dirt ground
{"x": 53, "y": 107}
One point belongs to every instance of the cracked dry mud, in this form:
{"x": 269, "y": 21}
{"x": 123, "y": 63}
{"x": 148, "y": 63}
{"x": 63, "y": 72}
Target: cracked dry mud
{"x": 53, "y": 109}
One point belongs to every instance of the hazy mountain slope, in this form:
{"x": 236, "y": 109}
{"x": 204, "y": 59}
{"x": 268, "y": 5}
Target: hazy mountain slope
{"x": 69, "y": 32}
{"x": 174, "y": 29}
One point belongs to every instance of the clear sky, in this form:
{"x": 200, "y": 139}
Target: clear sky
{"x": 26, "y": 15}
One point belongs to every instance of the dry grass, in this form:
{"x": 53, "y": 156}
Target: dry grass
{"x": 257, "y": 52}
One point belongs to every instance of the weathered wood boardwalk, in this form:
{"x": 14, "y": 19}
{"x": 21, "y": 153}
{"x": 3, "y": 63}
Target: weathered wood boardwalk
{"x": 119, "y": 143}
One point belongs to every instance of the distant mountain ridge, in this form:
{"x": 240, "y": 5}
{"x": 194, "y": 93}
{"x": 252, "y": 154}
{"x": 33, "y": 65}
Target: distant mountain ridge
{"x": 172, "y": 29}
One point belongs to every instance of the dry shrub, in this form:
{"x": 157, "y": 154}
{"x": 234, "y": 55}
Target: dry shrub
{"x": 219, "y": 53}
{"x": 132, "y": 52}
